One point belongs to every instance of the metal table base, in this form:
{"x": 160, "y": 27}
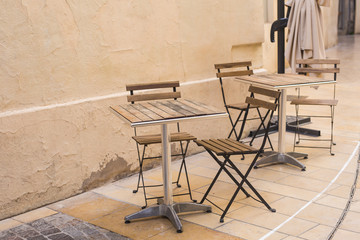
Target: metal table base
{"x": 289, "y": 158}
{"x": 167, "y": 207}
{"x": 169, "y": 211}
{"x": 282, "y": 82}
{"x": 281, "y": 156}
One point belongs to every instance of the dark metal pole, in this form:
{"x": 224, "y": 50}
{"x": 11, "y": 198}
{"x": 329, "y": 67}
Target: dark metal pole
{"x": 281, "y": 39}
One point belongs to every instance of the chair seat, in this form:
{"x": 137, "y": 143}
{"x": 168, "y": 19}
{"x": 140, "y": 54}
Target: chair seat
{"x": 293, "y": 97}
{"x": 324, "y": 102}
{"x": 227, "y": 147}
{"x": 156, "y": 138}
{"x": 240, "y": 106}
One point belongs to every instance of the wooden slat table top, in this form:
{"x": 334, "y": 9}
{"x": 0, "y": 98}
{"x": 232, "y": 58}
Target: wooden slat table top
{"x": 285, "y": 80}
{"x": 156, "y": 112}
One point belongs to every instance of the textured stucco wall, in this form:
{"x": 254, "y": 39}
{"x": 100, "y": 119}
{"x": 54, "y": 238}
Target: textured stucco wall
{"x": 64, "y": 62}
{"x": 330, "y": 16}
{"x": 357, "y": 17}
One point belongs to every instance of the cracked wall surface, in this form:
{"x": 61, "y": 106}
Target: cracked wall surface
{"x": 59, "y": 58}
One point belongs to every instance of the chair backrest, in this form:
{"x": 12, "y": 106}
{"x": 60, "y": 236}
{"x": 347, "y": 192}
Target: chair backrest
{"x": 256, "y": 98}
{"x": 155, "y": 94}
{"x": 233, "y": 69}
{"x": 319, "y": 66}
{"x": 256, "y": 91}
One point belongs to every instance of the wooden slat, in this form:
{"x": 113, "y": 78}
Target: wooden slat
{"x": 200, "y": 106}
{"x": 234, "y": 74}
{"x": 218, "y": 146}
{"x": 189, "y": 108}
{"x": 178, "y": 108}
{"x": 130, "y": 108}
{"x": 292, "y": 79}
{"x": 241, "y": 145}
{"x": 181, "y": 136}
{"x": 261, "y": 103}
{"x": 326, "y": 102}
{"x": 228, "y": 148}
{"x": 301, "y": 79}
{"x": 240, "y": 106}
{"x": 209, "y": 146}
{"x": 280, "y": 79}
{"x": 153, "y": 96}
{"x": 153, "y": 85}
{"x": 147, "y": 139}
{"x": 292, "y": 97}
{"x": 318, "y": 61}
{"x": 233, "y": 64}
{"x": 317, "y": 70}
{"x": 143, "y": 109}
{"x": 156, "y": 138}
{"x": 126, "y": 114}
{"x": 264, "y": 91}
{"x": 161, "y": 106}
{"x": 311, "y": 79}
{"x": 260, "y": 79}
{"x": 156, "y": 110}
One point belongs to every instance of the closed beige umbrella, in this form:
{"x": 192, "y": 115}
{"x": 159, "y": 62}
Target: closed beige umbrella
{"x": 305, "y": 37}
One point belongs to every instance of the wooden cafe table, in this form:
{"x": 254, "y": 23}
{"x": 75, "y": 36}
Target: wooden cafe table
{"x": 163, "y": 113}
{"x": 283, "y": 82}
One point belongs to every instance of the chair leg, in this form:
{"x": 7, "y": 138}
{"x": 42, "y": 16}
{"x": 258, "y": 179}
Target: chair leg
{"x": 258, "y": 129}
{"x": 140, "y": 169}
{"x": 297, "y": 131}
{"x": 240, "y": 186}
{"x": 183, "y": 164}
{"x": 214, "y": 180}
{"x": 141, "y": 160}
{"x": 297, "y": 126}
{"x": 332, "y": 108}
{"x": 222, "y": 167}
{"x": 262, "y": 124}
{"x": 233, "y": 128}
{"x": 229, "y": 204}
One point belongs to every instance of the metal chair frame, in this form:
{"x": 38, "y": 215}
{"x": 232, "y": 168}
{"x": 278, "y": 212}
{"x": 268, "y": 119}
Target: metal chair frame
{"x": 304, "y": 68}
{"x": 220, "y": 75}
{"x": 141, "y": 155}
{"x": 183, "y": 165}
{"x": 227, "y": 147}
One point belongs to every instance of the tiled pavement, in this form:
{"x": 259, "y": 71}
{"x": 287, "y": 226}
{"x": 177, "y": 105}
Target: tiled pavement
{"x": 309, "y": 204}
{"x": 59, "y": 227}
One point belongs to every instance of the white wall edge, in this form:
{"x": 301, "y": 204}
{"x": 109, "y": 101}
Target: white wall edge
{"x": 98, "y": 98}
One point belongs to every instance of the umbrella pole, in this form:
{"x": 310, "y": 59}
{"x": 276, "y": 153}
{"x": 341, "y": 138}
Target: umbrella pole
{"x": 281, "y": 38}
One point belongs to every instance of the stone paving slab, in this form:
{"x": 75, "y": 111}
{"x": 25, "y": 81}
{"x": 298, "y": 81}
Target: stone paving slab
{"x": 59, "y": 227}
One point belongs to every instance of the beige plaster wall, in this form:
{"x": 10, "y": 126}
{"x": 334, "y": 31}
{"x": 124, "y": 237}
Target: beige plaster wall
{"x": 330, "y": 17}
{"x": 64, "y": 62}
{"x": 357, "y": 17}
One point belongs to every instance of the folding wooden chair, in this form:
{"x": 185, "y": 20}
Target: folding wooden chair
{"x": 228, "y": 147}
{"x": 236, "y": 69}
{"x": 307, "y": 66}
{"x": 146, "y": 140}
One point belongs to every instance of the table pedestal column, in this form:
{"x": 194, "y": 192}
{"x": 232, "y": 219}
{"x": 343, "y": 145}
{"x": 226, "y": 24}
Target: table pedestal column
{"x": 281, "y": 156}
{"x": 167, "y": 208}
